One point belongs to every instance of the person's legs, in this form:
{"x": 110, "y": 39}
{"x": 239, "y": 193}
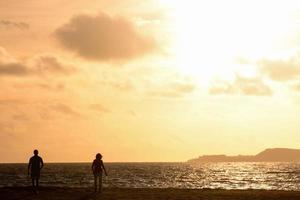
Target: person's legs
{"x": 95, "y": 181}
{"x": 36, "y": 185}
{"x": 32, "y": 181}
{"x": 33, "y": 178}
{"x": 100, "y": 182}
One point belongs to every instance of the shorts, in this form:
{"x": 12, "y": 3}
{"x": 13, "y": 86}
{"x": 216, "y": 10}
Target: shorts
{"x": 35, "y": 174}
{"x": 98, "y": 174}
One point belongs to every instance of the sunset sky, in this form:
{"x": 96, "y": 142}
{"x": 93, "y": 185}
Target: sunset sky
{"x": 150, "y": 80}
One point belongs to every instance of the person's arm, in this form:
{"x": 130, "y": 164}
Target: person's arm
{"x": 93, "y": 166}
{"x": 42, "y": 163}
{"x": 103, "y": 168}
{"x": 29, "y": 166}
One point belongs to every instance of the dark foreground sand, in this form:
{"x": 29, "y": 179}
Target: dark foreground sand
{"x": 143, "y": 194}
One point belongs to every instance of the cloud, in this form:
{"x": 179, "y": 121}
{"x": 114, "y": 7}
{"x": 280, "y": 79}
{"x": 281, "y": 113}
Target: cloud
{"x": 11, "y": 24}
{"x": 132, "y": 113}
{"x": 51, "y": 64}
{"x": 103, "y": 38}
{"x": 21, "y": 116}
{"x": 52, "y": 87}
{"x": 6, "y": 129}
{"x": 241, "y": 85}
{"x": 296, "y": 87}
{"x": 13, "y": 69}
{"x": 11, "y": 102}
{"x": 65, "y": 109}
{"x": 9, "y": 66}
{"x": 100, "y": 108}
{"x": 281, "y": 70}
{"x": 40, "y": 65}
{"x": 176, "y": 89}
{"x": 121, "y": 85}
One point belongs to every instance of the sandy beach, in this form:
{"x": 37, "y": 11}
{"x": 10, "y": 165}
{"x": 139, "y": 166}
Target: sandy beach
{"x": 53, "y": 193}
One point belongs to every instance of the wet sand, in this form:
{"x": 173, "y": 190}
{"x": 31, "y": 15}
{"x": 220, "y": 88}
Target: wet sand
{"x": 53, "y": 193}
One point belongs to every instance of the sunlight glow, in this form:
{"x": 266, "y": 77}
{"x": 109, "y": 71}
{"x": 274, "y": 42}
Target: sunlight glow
{"x": 209, "y": 44}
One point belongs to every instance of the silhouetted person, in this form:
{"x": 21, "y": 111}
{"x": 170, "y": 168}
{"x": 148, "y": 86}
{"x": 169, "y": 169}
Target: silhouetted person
{"x": 34, "y": 168}
{"x": 97, "y": 168}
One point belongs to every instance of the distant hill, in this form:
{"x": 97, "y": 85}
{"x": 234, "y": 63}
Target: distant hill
{"x": 268, "y": 155}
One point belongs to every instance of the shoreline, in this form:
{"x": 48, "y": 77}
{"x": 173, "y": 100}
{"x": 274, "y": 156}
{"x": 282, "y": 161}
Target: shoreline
{"x": 66, "y": 193}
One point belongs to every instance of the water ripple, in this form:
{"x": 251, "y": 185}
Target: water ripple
{"x": 279, "y": 176}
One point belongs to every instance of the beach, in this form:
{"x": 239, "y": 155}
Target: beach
{"x": 63, "y": 193}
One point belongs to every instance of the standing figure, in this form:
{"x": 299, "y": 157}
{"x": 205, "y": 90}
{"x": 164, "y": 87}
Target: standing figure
{"x": 97, "y": 168}
{"x": 34, "y": 168}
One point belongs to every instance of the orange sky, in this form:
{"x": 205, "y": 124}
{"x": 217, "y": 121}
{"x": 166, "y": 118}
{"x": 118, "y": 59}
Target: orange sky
{"x": 153, "y": 80}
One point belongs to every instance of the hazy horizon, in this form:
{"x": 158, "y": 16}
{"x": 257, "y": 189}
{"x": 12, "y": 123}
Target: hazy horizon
{"x": 182, "y": 161}
{"x": 147, "y": 81}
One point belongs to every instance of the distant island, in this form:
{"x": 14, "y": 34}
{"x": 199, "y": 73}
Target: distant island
{"x": 268, "y": 155}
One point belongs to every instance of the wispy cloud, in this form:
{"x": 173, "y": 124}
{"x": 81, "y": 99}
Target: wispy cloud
{"x": 281, "y": 70}
{"x": 174, "y": 89}
{"x": 53, "y": 87}
{"x": 100, "y": 108}
{"x": 241, "y": 85}
{"x": 12, "y": 24}
{"x": 296, "y": 87}
{"x": 40, "y": 65}
{"x": 13, "y": 69}
{"x": 65, "y": 109}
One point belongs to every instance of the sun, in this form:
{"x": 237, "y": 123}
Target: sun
{"x": 213, "y": 36}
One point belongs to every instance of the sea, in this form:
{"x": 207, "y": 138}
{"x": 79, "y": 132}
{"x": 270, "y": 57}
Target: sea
{"x": 269, "y": 176}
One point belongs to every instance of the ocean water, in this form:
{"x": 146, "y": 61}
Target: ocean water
{"x": 277, "y": 176}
